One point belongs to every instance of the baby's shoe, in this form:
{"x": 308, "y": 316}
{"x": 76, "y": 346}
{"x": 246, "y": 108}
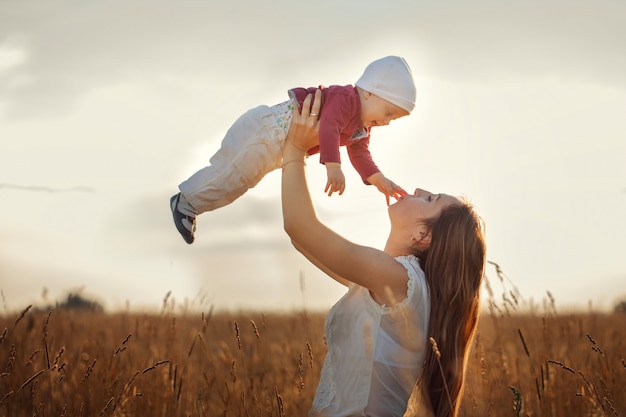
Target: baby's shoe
{"x": 184, "y": 217}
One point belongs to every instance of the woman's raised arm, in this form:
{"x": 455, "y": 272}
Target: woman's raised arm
{"x": 335, "y": 255}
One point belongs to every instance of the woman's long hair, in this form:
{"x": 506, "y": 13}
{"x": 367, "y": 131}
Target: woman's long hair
{"x": 454, "y": 266}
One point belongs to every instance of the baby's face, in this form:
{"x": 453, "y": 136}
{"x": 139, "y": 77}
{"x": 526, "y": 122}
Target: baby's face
{"x": 376, "y": 111}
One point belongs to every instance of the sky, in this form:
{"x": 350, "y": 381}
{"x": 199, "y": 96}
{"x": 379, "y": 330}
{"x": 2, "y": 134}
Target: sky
{"x": 106, "y": 106}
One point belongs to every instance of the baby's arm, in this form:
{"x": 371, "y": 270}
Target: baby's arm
{"x": 337, "y": 112}
{"x": 386, "y": 186}
{"x": 336, "y": 181}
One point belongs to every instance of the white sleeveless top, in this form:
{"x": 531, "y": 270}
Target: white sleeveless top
{"x": 375, "y": 353}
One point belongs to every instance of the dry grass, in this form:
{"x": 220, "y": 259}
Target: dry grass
{"x": 548, "y": 365}
{"x": 76, "y": 363}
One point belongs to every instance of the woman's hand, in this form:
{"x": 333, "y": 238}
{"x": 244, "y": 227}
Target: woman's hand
{"x": 338, "y": 257}
{"x": 303, "y": 133}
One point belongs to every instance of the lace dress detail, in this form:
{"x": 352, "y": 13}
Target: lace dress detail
{"x": 326, "y": 388}
{"x": 368, "y": 343}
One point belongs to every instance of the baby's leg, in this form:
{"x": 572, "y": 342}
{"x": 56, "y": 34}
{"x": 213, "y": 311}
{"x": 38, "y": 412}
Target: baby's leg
{"x": 251, "y": 148}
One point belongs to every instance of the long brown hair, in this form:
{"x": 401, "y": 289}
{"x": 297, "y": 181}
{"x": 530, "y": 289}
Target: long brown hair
{"x": 454, "y": 266}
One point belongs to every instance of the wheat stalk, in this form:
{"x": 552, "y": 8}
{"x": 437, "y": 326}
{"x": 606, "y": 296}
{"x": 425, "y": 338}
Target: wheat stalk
{"x": 433, "y": 342}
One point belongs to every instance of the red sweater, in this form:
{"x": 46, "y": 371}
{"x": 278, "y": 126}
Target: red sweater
{"x": 340, "y": 125}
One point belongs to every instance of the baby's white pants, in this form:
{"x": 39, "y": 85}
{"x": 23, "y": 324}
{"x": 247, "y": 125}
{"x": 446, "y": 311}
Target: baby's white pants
{"x": 251, "y": 148}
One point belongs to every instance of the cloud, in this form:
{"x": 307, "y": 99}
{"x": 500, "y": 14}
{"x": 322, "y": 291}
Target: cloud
{"x": 61, "y": 50}
{"x": 493, "y": 41}
{"x": 515, "y": 98}
{"x": 37, "y": 188}
{"x": 11, "y": 56}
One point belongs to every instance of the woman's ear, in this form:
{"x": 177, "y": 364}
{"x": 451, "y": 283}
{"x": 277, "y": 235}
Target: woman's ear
{"x": 422, "y": 236}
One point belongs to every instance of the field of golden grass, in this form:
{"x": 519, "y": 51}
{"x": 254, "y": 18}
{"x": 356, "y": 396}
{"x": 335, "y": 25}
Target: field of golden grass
{"x": 84, "y": 363}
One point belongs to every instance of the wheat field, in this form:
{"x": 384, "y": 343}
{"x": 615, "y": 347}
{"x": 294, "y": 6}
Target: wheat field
{"x": 63, "y": 362}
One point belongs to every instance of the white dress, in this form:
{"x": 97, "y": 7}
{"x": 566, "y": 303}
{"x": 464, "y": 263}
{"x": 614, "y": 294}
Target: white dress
{"x": 375, "y": 353}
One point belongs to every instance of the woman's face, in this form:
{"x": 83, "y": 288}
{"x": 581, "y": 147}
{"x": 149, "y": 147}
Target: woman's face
{"x": 421, "y": 205}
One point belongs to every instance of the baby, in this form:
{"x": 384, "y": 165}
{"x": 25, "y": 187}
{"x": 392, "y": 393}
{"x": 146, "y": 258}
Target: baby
{"x": 253, "y": 145}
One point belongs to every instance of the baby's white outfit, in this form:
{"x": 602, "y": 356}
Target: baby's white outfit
{"x": 251, "y": 148}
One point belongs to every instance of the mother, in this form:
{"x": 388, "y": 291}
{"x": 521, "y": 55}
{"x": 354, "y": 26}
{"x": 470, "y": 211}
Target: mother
{"x": 424, "y": 286}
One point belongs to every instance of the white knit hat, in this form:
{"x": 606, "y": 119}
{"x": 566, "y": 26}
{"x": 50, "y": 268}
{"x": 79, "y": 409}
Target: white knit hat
{"x": 390, "y": 78}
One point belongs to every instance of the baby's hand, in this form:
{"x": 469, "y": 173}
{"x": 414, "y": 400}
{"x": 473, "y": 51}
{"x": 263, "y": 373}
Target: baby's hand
{"x": 336, "y": 180}
{"x": 386, "y": 186}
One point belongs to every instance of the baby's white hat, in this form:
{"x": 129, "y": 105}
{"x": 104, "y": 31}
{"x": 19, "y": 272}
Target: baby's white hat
{"x": 390, "y": 78}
